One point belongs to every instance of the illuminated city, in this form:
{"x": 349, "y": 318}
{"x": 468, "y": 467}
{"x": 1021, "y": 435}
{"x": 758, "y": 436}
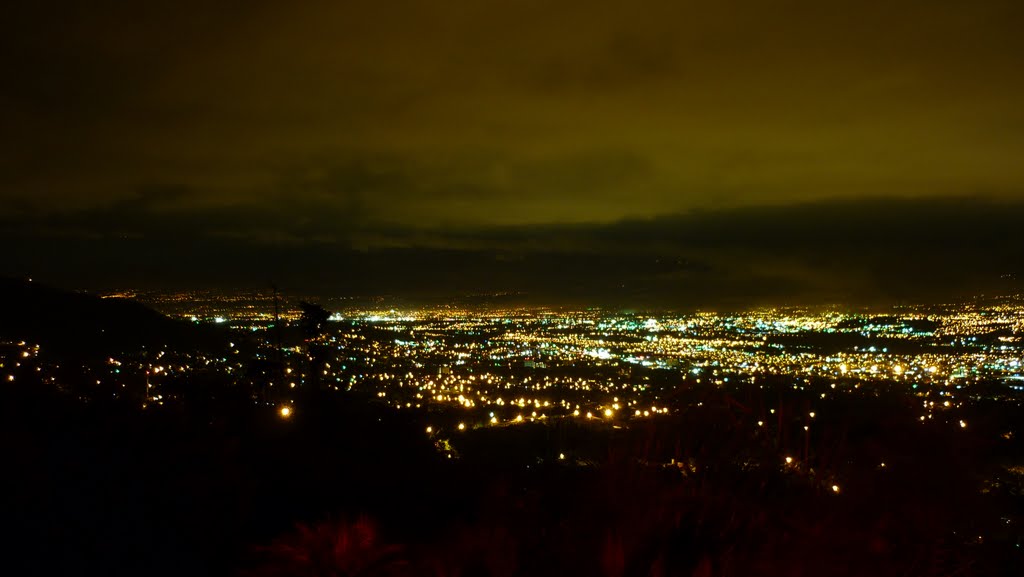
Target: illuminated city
{"x": 460, "y": 369}
{"x": 563, "y": 288}
{"x": 771, "y": 394}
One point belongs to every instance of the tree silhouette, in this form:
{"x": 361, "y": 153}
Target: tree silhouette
{"x": 313, "y": 323}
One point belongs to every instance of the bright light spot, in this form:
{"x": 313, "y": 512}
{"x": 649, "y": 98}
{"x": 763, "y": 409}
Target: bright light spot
{"x": 835, "y": 488}
{"x": 811, "y": 414}
{"x": 430, "y": 430}
{"x": 963, "y": 424}
{"x": 789, "y": 460}
{"x": 883, "y": 465}
{"x": 494, "y": 420}
{"x": 285, "y": 412}
{"x": 590, "y": 415}
{"x": 760, "y": 423}
{"x": 219, "y": 320}
{"x": 462, "y": 426}
{"x": 561, "y": 455}
{"x": 608, "y": 412}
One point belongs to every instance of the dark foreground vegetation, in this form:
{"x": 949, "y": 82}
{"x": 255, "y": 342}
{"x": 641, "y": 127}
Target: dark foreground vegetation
{"x": 348, "y": 488}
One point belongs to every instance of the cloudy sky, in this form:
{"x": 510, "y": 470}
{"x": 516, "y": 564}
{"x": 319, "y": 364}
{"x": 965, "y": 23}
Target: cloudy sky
{"x": 669, "y": 151}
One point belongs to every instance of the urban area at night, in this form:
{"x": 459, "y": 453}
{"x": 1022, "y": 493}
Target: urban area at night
{"x": 792, "y": 396}
{"x": 542, "y": 288}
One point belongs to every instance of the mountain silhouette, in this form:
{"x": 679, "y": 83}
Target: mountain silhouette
{"x": 83, "y": 324}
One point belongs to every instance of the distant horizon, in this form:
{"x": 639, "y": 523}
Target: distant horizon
{"x": 492, "y": 301}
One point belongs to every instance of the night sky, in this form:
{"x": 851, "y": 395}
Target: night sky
{"x": 645, "y": 152}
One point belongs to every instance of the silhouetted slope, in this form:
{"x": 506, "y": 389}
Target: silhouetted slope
{"x": 74, "y": 322}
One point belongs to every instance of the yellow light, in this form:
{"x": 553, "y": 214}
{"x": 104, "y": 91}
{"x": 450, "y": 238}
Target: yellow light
{"x": 963, "y": 424}
{"x": 789, "y": 460}
{"x": 811, "y": 414}
{"x": 590, "y": 415}
{"x": 430, "y": 430}
{"x": 285, "y": 412}
{"x": 835, "y": 488}
{"x": 760, "y": 423}
{"x": 883, "y": 465}
{"x": 608, "y": 412}
{"x": 494, "y": 420}
{"x": 462, "y": 426}
{"x": 561, "y": 455}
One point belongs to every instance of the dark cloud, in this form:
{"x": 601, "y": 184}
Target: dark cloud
{"x": 553, "y": 130}
{"x": 871, "y": 250}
